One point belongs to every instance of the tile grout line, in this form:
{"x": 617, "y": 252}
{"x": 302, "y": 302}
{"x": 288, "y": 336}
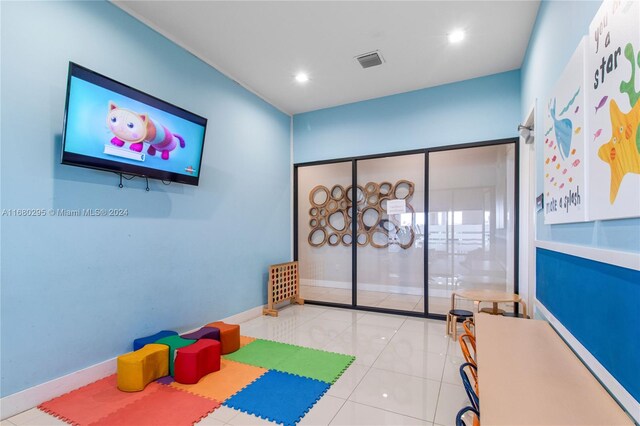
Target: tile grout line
{"x": 394, "y": 412}
{"x": 439, "y": 390}
{"x": 368, "y": 368}
{"x": 365, "y": 375}
{"x": 339, "y": 409}
{"x": 389, "y": 411}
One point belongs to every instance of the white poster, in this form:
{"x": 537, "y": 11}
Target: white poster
{"x": 396, "y": 207}
{"x": 565, "y": 195}
{"x": 613, "y": 82}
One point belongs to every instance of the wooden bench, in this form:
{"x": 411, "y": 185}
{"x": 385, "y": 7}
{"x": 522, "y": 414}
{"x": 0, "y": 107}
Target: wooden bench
{"x": 528, "y": 375}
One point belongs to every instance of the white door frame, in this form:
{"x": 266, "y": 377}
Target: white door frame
{"x": 527, "y": 243}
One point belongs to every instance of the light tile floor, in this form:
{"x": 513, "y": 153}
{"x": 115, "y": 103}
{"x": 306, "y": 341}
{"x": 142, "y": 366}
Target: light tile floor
{"x": 405, "y": 373}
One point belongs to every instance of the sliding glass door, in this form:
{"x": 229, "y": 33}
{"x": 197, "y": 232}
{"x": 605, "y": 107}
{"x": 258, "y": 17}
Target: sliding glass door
{"x": 390, "y": 261}
{"x": 470, "y": 222}
{"x": 363, "y": 239}
{"x": 324, "y": 233}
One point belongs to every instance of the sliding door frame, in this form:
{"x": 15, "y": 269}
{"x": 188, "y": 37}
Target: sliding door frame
{"x": 354, "y": 223}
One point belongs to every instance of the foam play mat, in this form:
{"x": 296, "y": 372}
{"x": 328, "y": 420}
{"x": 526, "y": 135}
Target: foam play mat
{"x": 275, "y": 381}
{"x": 305, "y": 362}
{"x": 290, "y": 397}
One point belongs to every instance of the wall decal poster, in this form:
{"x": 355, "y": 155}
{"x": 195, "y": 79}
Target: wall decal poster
{"x": 613, "y": 83}
{"x": 564, "y": 145}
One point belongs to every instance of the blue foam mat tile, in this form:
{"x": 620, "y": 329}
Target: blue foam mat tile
{"x": 279, "y": 397}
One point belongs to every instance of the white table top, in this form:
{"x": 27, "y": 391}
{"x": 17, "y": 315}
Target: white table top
{"x": 528, "y": 375}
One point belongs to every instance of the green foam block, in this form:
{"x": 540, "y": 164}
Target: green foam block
{"x": 305, "y": 362}
{"x": 174, "y": 343}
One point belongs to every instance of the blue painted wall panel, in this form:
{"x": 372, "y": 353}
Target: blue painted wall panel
{"x": 77, "y": 290}
{"x": 480, "y": 109}
{"x": 599, "y": 304}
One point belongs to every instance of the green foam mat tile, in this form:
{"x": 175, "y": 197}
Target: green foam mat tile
{"x": 316, "y": 364}
{"x": 305, "y": 362}
{"x": 263, "y": 353}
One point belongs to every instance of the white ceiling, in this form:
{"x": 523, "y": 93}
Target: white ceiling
{"x": 263, "y": 44}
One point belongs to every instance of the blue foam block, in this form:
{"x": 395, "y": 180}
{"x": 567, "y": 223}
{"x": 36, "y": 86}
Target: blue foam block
{"x": 279, "y": 397}
{"x": 140, "y": 342}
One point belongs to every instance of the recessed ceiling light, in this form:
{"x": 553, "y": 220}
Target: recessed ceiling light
{"x": 456, "y": 36}
{"x": 302, "y": 77}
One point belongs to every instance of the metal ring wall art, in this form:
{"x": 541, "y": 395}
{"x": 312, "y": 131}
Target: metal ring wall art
{"x": 330, "y": 215}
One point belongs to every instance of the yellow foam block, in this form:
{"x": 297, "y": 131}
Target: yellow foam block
{"x": 137, "y": 369}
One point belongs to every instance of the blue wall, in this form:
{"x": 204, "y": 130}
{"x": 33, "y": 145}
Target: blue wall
{"x": 480, "y": 109}
{"x": 76, "y": 291}
{"x": 596, "y": 302}
{"x": 571, "y": 286}
{"x": 559, "y": 27}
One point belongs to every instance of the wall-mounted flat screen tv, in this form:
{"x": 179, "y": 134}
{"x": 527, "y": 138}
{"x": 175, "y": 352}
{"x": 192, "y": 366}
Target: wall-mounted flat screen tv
{"x": 111, "y": 126}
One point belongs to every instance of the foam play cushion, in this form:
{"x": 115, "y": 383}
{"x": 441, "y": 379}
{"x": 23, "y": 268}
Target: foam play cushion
{"x": 204, "y": 333}
{"x": 229, "y": 336}
{"x": 139, "y": 368}
{"x": 140, "y": 342}
{"x": 197, "y": 360}
{"x": 174, "y": 343}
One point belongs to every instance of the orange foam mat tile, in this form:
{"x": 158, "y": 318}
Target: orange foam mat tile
{"x": 164, "y": 407}
{"x": 220, "y": 385}
{"x": 245, "y": 340}
{"x": 93, "y": 401}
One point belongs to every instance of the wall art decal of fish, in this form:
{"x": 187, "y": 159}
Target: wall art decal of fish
{"x": 601, "y": 103}
{"x": 597, "y": 134}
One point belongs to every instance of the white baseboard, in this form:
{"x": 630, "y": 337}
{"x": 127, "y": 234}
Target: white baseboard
{"x": 26, "y": 399}
{"x": 615, "y": 388}
{"x": 244, "y": 316}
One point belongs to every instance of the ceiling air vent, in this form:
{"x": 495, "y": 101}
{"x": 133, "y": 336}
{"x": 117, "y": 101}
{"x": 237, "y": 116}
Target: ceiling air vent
{"x": 371, "y": 59}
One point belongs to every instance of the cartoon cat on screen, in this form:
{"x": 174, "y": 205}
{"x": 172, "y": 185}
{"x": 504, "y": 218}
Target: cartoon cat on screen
{"x": 136, "y": 129}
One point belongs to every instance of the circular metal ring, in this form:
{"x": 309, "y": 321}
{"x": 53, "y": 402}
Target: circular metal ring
{"x": 323, "y": 222}
{"x": 359, "y": 223}
{"x": 388, "y": 226}
{"x": 397, "y": 185}
{"x": 323, "y": 212}
{"x": 372, "y": 240}
{"x": 313, "y": 211}
{"x": 312, "y": 233}
{"x": 312, "y": 195}
{"x": 337, "y": 192}
{"x": 366, "y": 239}
{"x": 332, "y": 206}
{"x": 343, "y": 239}
{"x": 345, "y": 219}
{"x": 373, "y": 199}
{"x": 359, "y": 195}
{"x": 313, "y": 223}
{"x": 343, "y": 204}
{"x": 362, "y": 217}
{"x": 382, "y": 203}
{"x": 411, "y": 239}
{"x": 385, "y": 188}
{"x": 333, "y": 239}
{"x": 371, "y": 188}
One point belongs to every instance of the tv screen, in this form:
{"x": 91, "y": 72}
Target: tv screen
{"x": 113, "y": 127}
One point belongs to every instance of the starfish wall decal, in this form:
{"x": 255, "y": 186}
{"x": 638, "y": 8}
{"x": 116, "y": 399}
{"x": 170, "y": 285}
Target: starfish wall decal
{"x": 622, "y": 152}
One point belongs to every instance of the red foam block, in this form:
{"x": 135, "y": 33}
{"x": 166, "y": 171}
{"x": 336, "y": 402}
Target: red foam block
{"x": 196, "y": 361}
